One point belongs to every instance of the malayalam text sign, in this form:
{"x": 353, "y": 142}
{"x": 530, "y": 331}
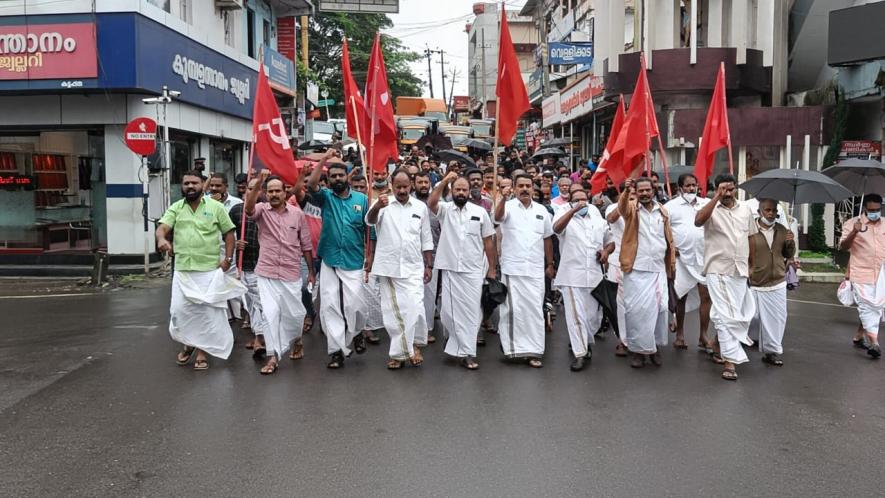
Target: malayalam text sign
{"x": 47, "y": 51}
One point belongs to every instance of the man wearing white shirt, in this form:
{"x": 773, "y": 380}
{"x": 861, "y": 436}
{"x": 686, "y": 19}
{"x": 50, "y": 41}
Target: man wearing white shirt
{"x": 402, "y": 263}
{"x": 689, "y": 242}
{"x": 526, "y": 257}
{"x": 647, "y": 256}
{"x": 616, "y": 228}
{"x": 465, "y": 254}
{"x": 218, "y": 191}
{"x": 584, "y": 246}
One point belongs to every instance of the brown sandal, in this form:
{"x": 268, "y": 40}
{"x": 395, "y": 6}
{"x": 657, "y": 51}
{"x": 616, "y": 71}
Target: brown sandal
{"x": 394, "y": 364}
{"x": 201, "y": 365}
{"x": 729, "y": 374}
{"x": 680, "y": 344}
{"x": 535, "y": 363}
{"x": 297, "y": 351}
{"x": 184, "y": 356}
{"x": 417, "y": 359}
{"x": 269, "y": 368}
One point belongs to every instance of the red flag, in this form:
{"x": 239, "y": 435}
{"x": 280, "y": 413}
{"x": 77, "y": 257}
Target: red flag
{"x": 380, "y": 124}
{"x": 597, "y": 181}
{"x": 631, "y": 146}
{"x": 354, "y": 106}
{"x": 513, "y": 100}
{"x": 271, "y": 141}
{"x": 716, "y": 133}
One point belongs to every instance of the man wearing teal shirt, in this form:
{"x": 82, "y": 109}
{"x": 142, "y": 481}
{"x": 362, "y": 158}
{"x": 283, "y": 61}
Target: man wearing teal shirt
{"x": 342, "y": 251}
{"x": 200, "y": 288}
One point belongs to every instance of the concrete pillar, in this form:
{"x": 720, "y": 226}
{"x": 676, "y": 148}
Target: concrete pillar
{"x": 742, "y": 170}
{"x": 714, "y": 23}
{"x": 124, "y": 190}
{"x": 649, "y": 30}
{"x": 806, "y": 160}
{"x": 779, "y": 59}
{"x": 693, "y": 29}
{"x": 738, "y": 29}
{"x": 615, "y": 29}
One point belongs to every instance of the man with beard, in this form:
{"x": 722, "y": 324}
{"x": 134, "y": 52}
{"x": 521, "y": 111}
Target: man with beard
{"x": 488, "y": 186}
{"x": 728, "y": 225}
{"x": 647, "y": 259}
{"x": 200, "y": 288}
{"x": 526, "y": 258}
{"x": 380, "y": 184}
{"x": 422, "y": 193}
{"x": 466, "y": 237}
{"x": 247, "y": 246}
{"x": 218, "y": 191}
{"x": 689, "y": 241}
{"x": 342, "y": 251}
{"x": 284, "y": 237}
{"x": 584, "y": 245}
{"x": 475, "y": 179}
{"x": 242, "y": 181}
{"x": 371, "y": 289}
{"x": 403, "y": 263}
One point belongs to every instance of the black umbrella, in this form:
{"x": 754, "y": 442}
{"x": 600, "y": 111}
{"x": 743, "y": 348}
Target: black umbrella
{"x": 313, "y": 145}
{"x": 436, "y": 140}
{"x": 606, "y": 294}
{"x": 455, "y": 155}
{"x": 549, "y": 152}
{"x": 557, "y": 142}
{"x": 472, "y": 143}
{"x": 796, "y": 186}
{"x": 861, "y": 176}
{"x": 493, "y": 293}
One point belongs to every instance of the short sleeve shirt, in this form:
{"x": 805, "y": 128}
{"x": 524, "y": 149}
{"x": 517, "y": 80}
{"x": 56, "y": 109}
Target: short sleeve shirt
{"x": 523, "y": 231}
{"x": 461, "y": 247}
{"x": 403, "y": 232}
{"x": 688, "y": 238}
{"x": 342, "y": 239}
{"x": 197, "y": 233}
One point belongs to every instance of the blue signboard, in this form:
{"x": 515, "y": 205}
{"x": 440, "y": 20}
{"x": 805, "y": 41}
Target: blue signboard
{"x": 280, "y": 71}
{"x": 570, "y": 53}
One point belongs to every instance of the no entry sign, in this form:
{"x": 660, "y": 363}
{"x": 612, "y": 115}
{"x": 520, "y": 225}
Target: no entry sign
{"x": 141, "y": 136}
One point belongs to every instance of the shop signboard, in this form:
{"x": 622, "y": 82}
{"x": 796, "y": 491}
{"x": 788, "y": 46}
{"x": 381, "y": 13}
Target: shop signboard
{"x": 550, "y": 114}
{"x": 140, "y": 136}
{"x": 577, "y": 100}
{"x": 47, "y": 51}
{"x": 861, "y": 149}
{"x": 286, "y": 37}
{"x": 461, "y": 103}
{"x": 280, "y": 71}
{"x": 15, "y": 181}
{"x": 561, "y": 53}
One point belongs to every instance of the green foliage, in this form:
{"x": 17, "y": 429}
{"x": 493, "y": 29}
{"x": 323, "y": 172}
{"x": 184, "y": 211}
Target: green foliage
{"x": 817, "y": 239}
{"x": 326, "y": 31}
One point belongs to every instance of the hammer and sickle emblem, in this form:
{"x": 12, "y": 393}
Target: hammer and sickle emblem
{"x": 281, "y": 139}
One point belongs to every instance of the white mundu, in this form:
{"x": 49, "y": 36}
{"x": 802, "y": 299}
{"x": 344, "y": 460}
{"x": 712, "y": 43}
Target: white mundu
{"x": 646, "y": 298}
{"x": 578, "y": 274}
{"x": 198, "y": 311}
{"x": 689, "y": 242}
{"x": 403, "y": 231}
{"x": 462, "y": 264}
{"x": 521, "y": 326}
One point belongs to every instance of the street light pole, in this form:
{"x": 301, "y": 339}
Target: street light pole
{"x": 163, "y": 101}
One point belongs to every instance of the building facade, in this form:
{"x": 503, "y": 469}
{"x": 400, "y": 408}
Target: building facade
{"x": 73, "y": 73}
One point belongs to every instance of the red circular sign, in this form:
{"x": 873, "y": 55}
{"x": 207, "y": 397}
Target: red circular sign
{"x": 141, "y": 136}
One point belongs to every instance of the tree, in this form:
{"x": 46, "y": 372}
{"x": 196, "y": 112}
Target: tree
{"x": 326, "y": 31}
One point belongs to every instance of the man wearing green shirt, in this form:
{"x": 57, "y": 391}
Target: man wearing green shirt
{"x": 200, "y": 288}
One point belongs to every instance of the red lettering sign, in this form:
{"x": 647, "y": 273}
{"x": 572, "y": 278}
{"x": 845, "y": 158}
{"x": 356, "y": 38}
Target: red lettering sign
{"x": 286, "y": 37}
{"x": 47, "y": 51}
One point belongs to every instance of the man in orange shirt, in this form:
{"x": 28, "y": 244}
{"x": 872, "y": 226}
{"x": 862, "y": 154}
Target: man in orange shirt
{"x": 864, "y": 236}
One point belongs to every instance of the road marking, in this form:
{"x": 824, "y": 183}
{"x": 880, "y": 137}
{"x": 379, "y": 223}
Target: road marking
{"x": 148, "y": 327}
{"x": 50, "y": 295}
{"x": 816, "y": 302}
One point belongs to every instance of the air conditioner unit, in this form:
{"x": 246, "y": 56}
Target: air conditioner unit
{"x": 229, "y": 4}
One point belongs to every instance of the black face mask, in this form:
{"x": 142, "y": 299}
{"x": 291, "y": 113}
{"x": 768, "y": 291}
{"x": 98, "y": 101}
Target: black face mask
{"x": 338, "y": 187}
{"x": 460, "y": 200}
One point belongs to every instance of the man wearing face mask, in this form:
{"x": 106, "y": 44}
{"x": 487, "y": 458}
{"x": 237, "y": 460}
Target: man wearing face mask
{"x": 422, "y": 193}
{"x": 197, "y": 316}
{"x": 584, "y": 246}
{"x": 864, "y": 236}
{"x": 380, "y": 184}
{"x": 465, "y": 255}
{"x": 647, "y": 261}
{"x": 526, "y": 258}
{"x": 403, "y": 264}
{"x": 773, "y": 248}
{"x": 728, "y": 225}
{"x": 689, "y": 284}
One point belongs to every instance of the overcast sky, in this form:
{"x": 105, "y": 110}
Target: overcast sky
{"x": 438, "y": 24}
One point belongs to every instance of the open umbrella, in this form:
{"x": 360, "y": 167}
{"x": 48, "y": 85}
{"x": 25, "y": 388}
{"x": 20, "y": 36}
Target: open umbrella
{"x": 796, "y": 186}
{"x": 455, "y": 155}
{"x": 861, "y": 176}
{"x": 557, "y": 142}
{"x": 314, "y": 145}
{"x": 549, "y": 152}
{"x": 472, "y": 143}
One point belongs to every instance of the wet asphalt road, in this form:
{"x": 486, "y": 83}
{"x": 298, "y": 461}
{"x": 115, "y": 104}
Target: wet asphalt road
{"x": 92, "y": 404}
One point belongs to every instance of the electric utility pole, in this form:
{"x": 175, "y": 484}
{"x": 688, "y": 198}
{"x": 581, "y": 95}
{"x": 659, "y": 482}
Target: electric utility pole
{"x": 428, "y": 53}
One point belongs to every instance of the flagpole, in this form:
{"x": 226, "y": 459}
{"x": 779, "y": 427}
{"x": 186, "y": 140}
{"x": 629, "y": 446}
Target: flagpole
{"x": 361, "y": 149}
{"x": 728, "y": 130}
{"x": 495, "y": 167}
{"x": 249, "y": 169}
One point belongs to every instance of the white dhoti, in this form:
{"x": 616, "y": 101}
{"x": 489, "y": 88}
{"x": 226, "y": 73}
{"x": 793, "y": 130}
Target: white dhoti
{"x": 646, "y": 301}
{"x": 686, "y": 282}
{"x": 521, "y": 324}
{"x": 372, "y": 295}
{"x": 614, "y": 275}
{"x": 870, "y": 300}
{"x": 733, "y": 309}
{"x": 583, "y": 317}
{"x": 234, "y": 306}
{"x": 281, "y": 303}
{"x": 430, "y": 302}
{"x": 252, "y": 301}
{"x": 342, "y": 309}
{"x": 402, "y": 305}
{"x": 198, "y": 310}
{"x": 460, "y": 311}
{"x": 771, "y": 317}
